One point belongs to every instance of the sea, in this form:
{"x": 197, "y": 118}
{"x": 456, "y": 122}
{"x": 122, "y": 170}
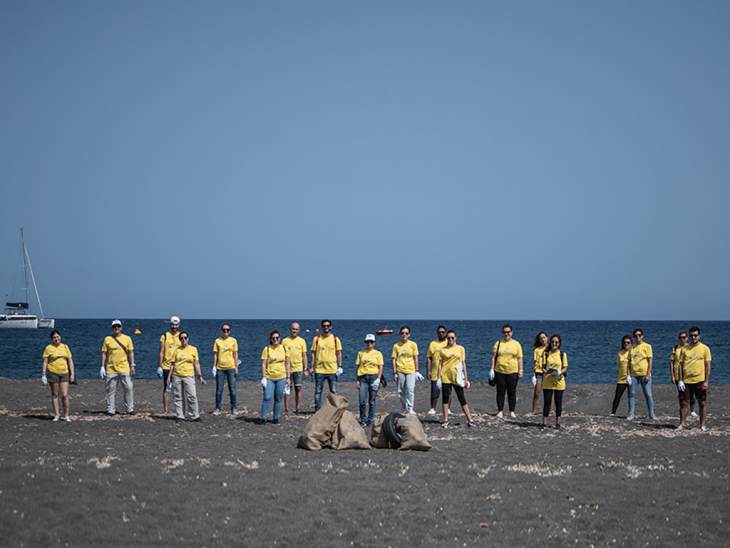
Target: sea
{"x": 591, "y": 346}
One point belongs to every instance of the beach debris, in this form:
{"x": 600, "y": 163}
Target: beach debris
{"x": 102, "y": 463}
{"x": 171, "y": 464}
{"x": 540, "y": 469}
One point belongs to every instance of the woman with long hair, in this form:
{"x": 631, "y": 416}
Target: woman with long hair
{"x": 58, "y": 371}
{"x": 555, "y": 365}
{"x": 624, "y": 379}
{"x": 539, "y": 347}
{"x": 275, "y": 376}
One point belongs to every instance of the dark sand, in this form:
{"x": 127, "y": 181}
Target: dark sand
{"x": 148, "y": 480}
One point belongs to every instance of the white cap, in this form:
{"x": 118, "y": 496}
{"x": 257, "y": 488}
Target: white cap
{"x": 174, "y": 319}
{"x": 369, "y": 337}
{"x": 116, "y": 322}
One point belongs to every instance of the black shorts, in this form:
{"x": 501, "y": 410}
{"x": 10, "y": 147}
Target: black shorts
{"x": 166, "y": 377}
{"x": 296, "y": 377}
{"x": 693, "y": 391}
{"x": 435, "y": 390}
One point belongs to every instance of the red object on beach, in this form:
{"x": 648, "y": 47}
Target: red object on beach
{"x": 384, "y": 331}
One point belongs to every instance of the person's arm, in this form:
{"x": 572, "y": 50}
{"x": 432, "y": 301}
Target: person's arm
{"x": 415, "y": 362}
{"x": 649, "y": 362}
{"x": 564, "y": 364}
{"x": 131, "y": 365}
{"x": 521, "y": 364}
{"x": 706, "y": 384}
{"x": 304, "y": 359}
{"x": 671, "y": 366}
{"x": 215, "y": 358}
{"x": 71, "y": 370}
{"x": 395, "y": 370}
{"x": 44, "y": 367}
{"x": 339, "y": 359}
{"x": 103, "y": 359}
{"x": 429, "y": 364}
{"x": 494, "y": 358}
{"x": 161, "y": 357}
{"x": 287, "y": 366}
{"x": 466, "y": 374}
{"x": 263, "y": 368}
{"x": 380, "y": 370}
{"x": 197, "y": 370}
{"x": 235, "y": 362}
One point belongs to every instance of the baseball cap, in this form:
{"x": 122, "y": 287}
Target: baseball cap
{"x": 369, "y": 337}
{"x": 174, "y": 319}
{"x": 116, "y": 322}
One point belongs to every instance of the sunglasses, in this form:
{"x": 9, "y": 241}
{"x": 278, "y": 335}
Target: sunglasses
{"x": 694, "y": 335}
{"x": 326, "y": 326}
{"x": 554, "y": 342}
{"x": 451, "y": 338}
{"x": 638, "y": 335}
{"x": 627, "y": 342}
{"x": 683, "y": 337}
{"x": 183, "y": 338}
{"x": 274, "y": 338}
{"x": 225, "y": 329}
{"x": 506, "y": 332}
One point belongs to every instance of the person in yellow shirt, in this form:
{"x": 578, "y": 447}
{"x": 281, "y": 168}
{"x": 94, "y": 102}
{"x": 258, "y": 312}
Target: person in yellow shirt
{"x": 117, "y": 367}
{"x": 297, "y": 348}
{"x": 453, "y": 375}
{"x": 694, "y": 377}
{"x": 185, "y": 367}
{"x": 225, "y": 368}
{"x": 432, "y": 366}
{"x": 169, "y": 342}
{"x": 369, "y": 364}
{"x": 539, "y": 347}
{"x": 58, "y": 371}
{"x": 623, "y": 380}
{"x": 405, "y": 368}
{"x": 326, "y": 362}
{"x": 275, "y": 371}
{"x": 506, "y": 370}
{"x": 641, "y": 360}
{"x": 674, "y": 360}
{"x": 555, "y": 366}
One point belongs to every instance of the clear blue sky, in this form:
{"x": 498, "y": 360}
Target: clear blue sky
{"x": 521, "y": 160}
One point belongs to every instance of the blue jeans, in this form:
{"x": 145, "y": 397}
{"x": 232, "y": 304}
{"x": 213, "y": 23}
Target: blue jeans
{"x": 368, "y": 395}
{"x": 319, "y": 379}
{"x": 645, "y": 383}
{"x": 274, "y": 389}
{"x": 221, "y": 377}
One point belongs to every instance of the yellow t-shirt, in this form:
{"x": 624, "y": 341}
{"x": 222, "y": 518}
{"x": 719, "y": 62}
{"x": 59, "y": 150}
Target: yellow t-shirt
{"x": 435, "y": 355}
{"x": 369, "y": 362}
{"x": 184, "y": 360}
{"x": 116, "y": 357}
{"x": 693, "y": 361}
{"x": 450, "y": 357}
{"x": 170, "y": 342}
{"x": 275, "y": 361}
{"x": 58, "y": 357}
{"x": 555, "y": 360}
{"x": 225, "y": 349}
{"x": 325, "y": 349}
{"x": 507, "y": 361}
{"x": 622, "y": 359}
{"x": 537, "y": 357}
{"x": 296, "y": 347}
{"x": 676, "y": 357}
{"x": 640, "y": 355}
{"x": 404, "y": 354}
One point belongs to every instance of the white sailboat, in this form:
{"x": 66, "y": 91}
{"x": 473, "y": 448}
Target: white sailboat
{"x": 18, "y": 314}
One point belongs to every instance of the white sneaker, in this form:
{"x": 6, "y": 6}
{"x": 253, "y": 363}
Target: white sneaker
{"x": 66, "y": 418}
{"x": 612, "y": 415}
{"x": 630, "y": 418}
{"x": 431, "y": 411}
{"x": 703, "y": 428}
{"x": 217, "y": 412}
{"x": 56, "y": 418}
{"x": 512, "y": 415}
{"x": 412, "y": 412}
{"x": 234, "y": 412}
{"x": 500, "y": 415}
{"x": 679, "y": 428}
{"x": 694, "y": 414}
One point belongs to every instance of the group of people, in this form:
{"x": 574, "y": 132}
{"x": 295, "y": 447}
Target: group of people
{"x": 285, "y": 363}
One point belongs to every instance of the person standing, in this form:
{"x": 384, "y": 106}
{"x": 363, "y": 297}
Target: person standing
{"x": 169, "y": 343}
{"x": 624, "y": 379}
{"x": 326, "y": 362}
{"x": 225, "y": 368}
{"x": 453, "y": 375}
{"x": 507, "y": 370}
{"x": 369, "y": 364}
{"x": 117, "y": 367}
{"x": 274, "y": 376}
{"x": 405, "y": 368}
{"x": 694, "y": 377}
{"x": 555, "y": 366}
{"x": 297, "y": 348}
{"x": 674, "y": 361}
{"x": 539, "y": 347}
{"x": 185, "y": 367}
{"x": 58, "y": 371}
{"x": 432, "y": 366}
{"x": 641, "y": 359}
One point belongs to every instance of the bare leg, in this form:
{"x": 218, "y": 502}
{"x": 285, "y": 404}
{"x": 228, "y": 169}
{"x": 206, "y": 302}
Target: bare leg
{"x": 703, "y": 413}
{"x": 683, "y": 412}
{"x": 64, "y": 397}
{"x": 298, "y": 398}
{"x": 467, "y": 411}
{"x": 54, "y": 399}
{"x": 445, "y": 412}
{"x": 536, "y": 397}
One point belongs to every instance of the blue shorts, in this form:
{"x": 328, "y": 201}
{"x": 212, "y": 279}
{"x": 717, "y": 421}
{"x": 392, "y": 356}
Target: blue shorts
{"x": 296, "y": 378}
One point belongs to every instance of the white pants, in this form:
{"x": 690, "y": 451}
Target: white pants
{"x": 112, "y": 380}
{"x": 186, "y": 398}
{"x": 406, "y": 387}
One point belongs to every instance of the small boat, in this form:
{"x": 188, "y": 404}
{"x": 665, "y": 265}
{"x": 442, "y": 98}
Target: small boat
{"x": 18, "y": 314}
{"x": 384, "y": 331}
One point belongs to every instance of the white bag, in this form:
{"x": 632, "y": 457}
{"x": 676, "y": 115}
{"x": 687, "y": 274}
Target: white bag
{"x": 460, "y": 375}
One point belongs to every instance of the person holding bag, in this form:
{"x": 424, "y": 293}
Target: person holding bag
{"x": 275, "y": 376}
{"x": 117, "y": 367}
{"x": 185, "y": 366}
{"x": 453, "y": 375}
{"x": 555, "y": 366}
{"x": 58, "y": 371}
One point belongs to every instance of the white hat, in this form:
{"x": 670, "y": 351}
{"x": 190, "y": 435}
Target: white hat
{"x": 116, "y": 322}
{"x": 369, "y": 337}
{"x": 174, "y": 319}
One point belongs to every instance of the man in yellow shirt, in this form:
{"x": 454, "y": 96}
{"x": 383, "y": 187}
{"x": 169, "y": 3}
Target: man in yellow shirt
{"x": 225, "y": 368}
{"x": 326, "y": 362}
{"x": 507, "y": 369}
{"x": 694, "y": 373}
{"x": 297, "y": 349}
{"x": 674, "y": 361}
{"x": 169, "y": 342}
{"x": 433, "y": 358}
{"x": 641, "y": 359}
{"x": 117, "y": 367}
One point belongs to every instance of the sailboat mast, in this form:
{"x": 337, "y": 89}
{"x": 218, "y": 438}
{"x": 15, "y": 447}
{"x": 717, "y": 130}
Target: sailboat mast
{"x": 26, "y": 260}
{"x": 25, "y": 265}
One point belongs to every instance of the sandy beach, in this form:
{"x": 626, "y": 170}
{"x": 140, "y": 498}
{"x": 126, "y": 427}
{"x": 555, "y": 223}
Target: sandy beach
{"x": 148, "y": 480}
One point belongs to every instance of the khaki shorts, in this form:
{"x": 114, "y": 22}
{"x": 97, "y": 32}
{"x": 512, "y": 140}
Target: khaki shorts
{"x": 55, "y": 377}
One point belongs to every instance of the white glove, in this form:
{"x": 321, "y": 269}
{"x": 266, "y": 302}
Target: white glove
{"x": 339, "y": 371}
{"x": 534, "y": 380}
{"x": 439, "y": 384}
{"x": 169, "y": 387}
{"x": 629, "y": 380}
{"x": 287, "y": 390}
{"x": 102, "y": 372}
{"x": 467, "y": 384}
{"x": 491, "y": 374}
{"x": 376, "y": 384}
{"x": 44, "y": 380}
{"x": 419, "y": 377}
{"x": 681, "y": 386}
{"x": 264, "y": 381}
{"x": 159, "y": 372}
{"x": 214, "y": 370}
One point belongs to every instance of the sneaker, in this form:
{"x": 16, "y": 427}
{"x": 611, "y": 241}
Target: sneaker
{"x": 679, "y": 428}
{"x": 500, "y": 415}
{"x": 612, "y": 415}
{"x": 694, "y": 414}
{"x": 197, "y": 419}
{"x": 56, "y": 418}
{"x": 234, "y": 412}
{"x": 470, "y": 424}
{"x": 66, "y": 418}
{"x": 431, "y": 411}
{"x": 110, "y": 413}
{"x": 412, "y": 412}
{"x": 630, "y": 418}
{"x": 275, "y": 421}
{"x": 557, "y": 427}
{"x": 217, "y": 412}
{"x": 445, "y": 424}
{"x": 512, "y": 415}
{"x": 652, "y": 417}
{"x": 703, "y": 428}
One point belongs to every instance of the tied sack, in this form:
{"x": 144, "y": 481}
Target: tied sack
{"x": 319, "y": 430}
{"x": 412, "y": 435}
{"x": 349, "y": 434}
{"x": 378, "y": 438}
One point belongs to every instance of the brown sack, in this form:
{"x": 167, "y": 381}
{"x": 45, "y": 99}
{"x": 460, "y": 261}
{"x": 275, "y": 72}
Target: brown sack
{"x": 412, "y": 435}
{"x": 319, "y": 429}
{"x": 349, "y": 434}
{"x": 377, "y": 436}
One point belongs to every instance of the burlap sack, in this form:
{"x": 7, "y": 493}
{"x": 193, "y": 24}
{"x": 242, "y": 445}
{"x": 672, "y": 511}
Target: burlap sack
{"x": 412, "y": 435}
{"x": 349, "y": 433}
{"x": 319, "y": 429}
{"x": 377, "y": 437}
